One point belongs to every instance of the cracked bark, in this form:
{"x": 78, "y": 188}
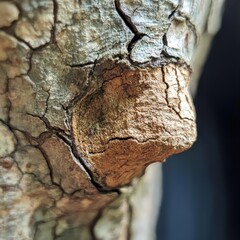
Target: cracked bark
{"x": 128, "y": 21}
{"x": 87, "y": 102}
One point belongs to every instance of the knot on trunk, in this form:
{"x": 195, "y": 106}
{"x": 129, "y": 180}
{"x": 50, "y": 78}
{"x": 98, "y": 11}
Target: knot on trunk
{"x": 132, "y": 118}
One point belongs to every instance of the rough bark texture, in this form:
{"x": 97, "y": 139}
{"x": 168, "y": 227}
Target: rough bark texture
{"x": 135, "y": 117}
{"x": 91, "y": 93}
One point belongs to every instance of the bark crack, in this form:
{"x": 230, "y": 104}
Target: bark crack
{"x": 9, "y": 104}
{"x": 55, "y": 14}
{"x": 51, "y": 170}
{"x": 177, "y": 14}
{"x": 98, "y": 186}
{"x": 91, "y": 66}
{"x": 67, "y": 139}
{"x": 47, "y": 100}
{"x": 76, "y": 65}
{"x": 124, "y": 139}
{"x": 179, "y": 5}
{"x": 128, "y": 22}
{"x": 178, "y": 113}
{"x": 178, "y": 92}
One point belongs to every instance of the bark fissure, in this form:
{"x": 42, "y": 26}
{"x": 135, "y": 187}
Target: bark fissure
{"x": 164, "y": 39}
{"x": 179, "y": 5}
{"x": 128, "y": 22}
{"x": 22, "y": 41}
{"x": 46, "y": 108}
{"x": 124, "y": 139}
{"x": 51, "y": 170}
{"x": 55, "y": 14}
{"x": 98, "y": 186}
{"x": 9, "y": 102}
{"x": 177, "y": 13}
{"x": 67, "y": 139}
{"x": 33, "y": 49}
{"x": 49, "y": 126}
{"x": 75, "y": 65}
{"x": 168, "y": 58}
{"x": 167, "y": 97}
{"x": 178, "y": 92}
{"x": 85, "y": 87}
{"x": 88, "y": 171}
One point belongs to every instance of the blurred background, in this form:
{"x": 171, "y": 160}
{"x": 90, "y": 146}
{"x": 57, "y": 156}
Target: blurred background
{"x": 201, "y": 187}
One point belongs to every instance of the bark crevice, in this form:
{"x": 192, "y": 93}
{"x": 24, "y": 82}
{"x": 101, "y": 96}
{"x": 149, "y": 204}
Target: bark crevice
{"x": 61, "y": 134}
{"x": 129, "y": 23}
{"x": 51, "y": 171}
{"x": 177, "y": 112}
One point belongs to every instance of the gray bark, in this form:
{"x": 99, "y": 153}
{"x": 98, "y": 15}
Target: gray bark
{"x": 91, "y": 93}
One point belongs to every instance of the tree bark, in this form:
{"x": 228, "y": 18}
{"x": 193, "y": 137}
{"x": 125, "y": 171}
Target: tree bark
{"x": 91, "y": 93}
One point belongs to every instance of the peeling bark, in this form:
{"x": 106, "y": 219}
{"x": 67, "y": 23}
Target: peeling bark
{"x": 91, "y": 93}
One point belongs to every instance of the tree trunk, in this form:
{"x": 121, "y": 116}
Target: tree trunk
{"x": 91, "y": 93}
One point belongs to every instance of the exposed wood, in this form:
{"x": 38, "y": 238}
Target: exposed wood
{"x": 132, "y": 118}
